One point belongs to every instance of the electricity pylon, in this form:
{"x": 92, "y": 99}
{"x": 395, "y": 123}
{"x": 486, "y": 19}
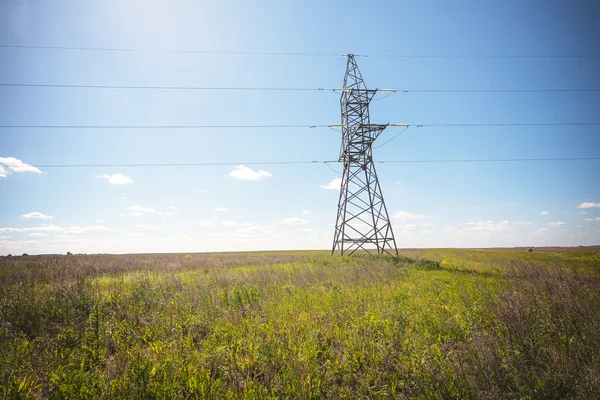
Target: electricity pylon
{"x": 362, "y": 219}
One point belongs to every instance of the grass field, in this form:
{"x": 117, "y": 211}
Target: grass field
{"x": 429, "y": 324}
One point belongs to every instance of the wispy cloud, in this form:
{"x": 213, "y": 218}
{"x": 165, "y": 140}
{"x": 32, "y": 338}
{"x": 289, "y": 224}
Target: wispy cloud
{"x": 220, "y": 209}
{"x": 308, "y": 231}
{"x": 43, "y": 228}
{"x": 35, "y": 215}
{"x": 488, "y": 225}
{"x": 132, "y": 214}
{"x": 334, "y": 184}
{"x": 148, "y": 210}
{"x": 247, "y": 174}
{"x": 305, "y": 212}
{"x": 59, "y": 229}
{"x": 294, "y": 221}
{"x": 137, "y": 211}
{"x": 589, "y": 205}
{"x": 544, "y": 213}
{"x": 521, "y": 223}
{"x": 256, "y": 229}
{"x": 116, "y": 179}
{"x": 85, "y": 229}
{"x": 557, "y": 223}
{"x": 218, "y": 221}
{"x": 148, "y": 227}
{"x": 135, "y": 235}
{"x": 592, "y": 219}
{"x": 492, "y": 226}
{"x": 228, "y": 223}
{"x": 402, "y": 215}
{"x": 9, "y": 165}
{"x": 37, "y": 234}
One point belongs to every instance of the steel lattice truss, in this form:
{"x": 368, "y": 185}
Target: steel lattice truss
{"x": 362, "y": 220}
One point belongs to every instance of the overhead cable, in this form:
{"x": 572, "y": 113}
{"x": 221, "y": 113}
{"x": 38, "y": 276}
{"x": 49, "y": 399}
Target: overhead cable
{"x": 297, "y": 54}
{"x": 316, "y": 126}
{"x": 285, "y": 89}
{"x": 209, "y": 164}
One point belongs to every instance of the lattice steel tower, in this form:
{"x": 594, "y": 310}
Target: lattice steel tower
{"x": 362, "y": 220}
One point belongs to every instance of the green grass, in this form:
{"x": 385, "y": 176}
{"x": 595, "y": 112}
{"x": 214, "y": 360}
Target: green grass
{"x": 429, "y": 324}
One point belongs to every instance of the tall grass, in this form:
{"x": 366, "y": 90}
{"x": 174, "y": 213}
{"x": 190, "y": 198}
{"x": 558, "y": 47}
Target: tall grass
{"x": 429, "y": 324}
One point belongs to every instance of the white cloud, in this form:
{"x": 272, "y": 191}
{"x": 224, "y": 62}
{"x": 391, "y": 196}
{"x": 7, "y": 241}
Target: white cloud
{"x": 334, "y": 184}
{"x": 206, "y": 222}
{"x": 149, "y": 227}
{"x": 132, "y": 214}
{"x": 37, "y": 234}
{"x": 220, "y": 209}
{"x": 228, "y": 223}
{"x": 488, "y": 225}
{"x": 135, "y": 235}
{"x": 305, "y": 212}
{"x": 406, "y": 215}
{"x": 557, "y": 223}
{"x": 308, "y": 231}
{"x": 148, "y": 210}
{"x": 294, "y": 221}
{"x": 172, "y": 207}
{"x": 592, "y": 219}
{"x": 256, "y": 229}
{"x": 35, "y": 215}
{"x": 544, "y": 213}
{"x": 116, "y": 179}
{"x": 491, "y": 226}
{"x": 247, "y": 174}
{"x": 58, "y": 229}
{"x": 43, "y": 228}
{"x": 9, "y": 165}
{"x": 589, "y": 205}
{"x": 85, "y": 229}
{"x": 99, "y": 220}
{"x": 521, "y": 223}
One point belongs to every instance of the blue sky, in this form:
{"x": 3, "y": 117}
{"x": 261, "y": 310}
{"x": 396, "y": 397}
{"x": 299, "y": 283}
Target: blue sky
{"x": 266, "y": 207}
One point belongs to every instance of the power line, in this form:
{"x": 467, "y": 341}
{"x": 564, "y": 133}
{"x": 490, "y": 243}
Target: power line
{"x": 296, "y": 54}
{"x": 129, "y": 87}
{"x": 492, "y": 160}
{"x": 316, "y": 126}
{"x": 213, "y": 164}
{"x": 479, "y": 55}
{"x": 162, "y": 126}
{"x": 495, "y": 90}
{"x": 286, "y": 89}
{"x": 483, "y": 125}
{"x": 395, "y": 136}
